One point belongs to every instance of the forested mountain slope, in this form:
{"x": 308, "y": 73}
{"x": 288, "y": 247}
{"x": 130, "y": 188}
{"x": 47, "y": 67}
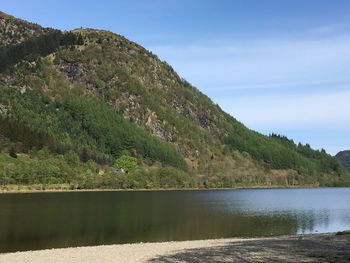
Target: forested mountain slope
{"x": 344, "y": 158}
{"x": 78, "y": 101}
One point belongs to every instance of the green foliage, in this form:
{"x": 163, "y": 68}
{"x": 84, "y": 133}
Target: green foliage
{"x": 97, "y": 125}
{"x": 53, "y": 171}
{"x": 70, "y": 127}
{"x": 82, "y": 124}
{"x": 344, "y": 158}
{"x": 127, "y": 163}
{"x": 26, "y": 170}
{"x": 72, "y": 158}
{"x": 281, "y": 153}
{"x": 36, "y": 47}
{"x": 173, "y": 178}
{"x": 13, "y": 153}
{"x": 18, "y": 131}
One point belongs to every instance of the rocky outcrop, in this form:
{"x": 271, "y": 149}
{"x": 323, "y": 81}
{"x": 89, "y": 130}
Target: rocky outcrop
{"x": 3, "y": 109}
{"x": 14, "y": 82}
{"x": 155, "y": 126}
{"x": 129, "y": 105}
{"x": 15, "y": 31}
{"x": 75, "y": 71}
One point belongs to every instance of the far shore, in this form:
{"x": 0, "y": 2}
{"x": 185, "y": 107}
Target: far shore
{"x": 298, "y": 248}
{"x": 30, "y": 189}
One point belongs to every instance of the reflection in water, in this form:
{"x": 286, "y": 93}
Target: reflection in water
{"x": 47, "y": 220}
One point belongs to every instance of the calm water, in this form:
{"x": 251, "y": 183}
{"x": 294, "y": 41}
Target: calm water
{"x": 48, "y": 220}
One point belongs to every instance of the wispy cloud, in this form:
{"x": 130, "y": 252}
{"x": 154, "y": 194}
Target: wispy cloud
{"x": 263, "y": 61}
{"x": 297, "y": 81}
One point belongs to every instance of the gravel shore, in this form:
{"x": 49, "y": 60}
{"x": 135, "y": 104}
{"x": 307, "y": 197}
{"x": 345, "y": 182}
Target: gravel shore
{"x": 308, "y": 248}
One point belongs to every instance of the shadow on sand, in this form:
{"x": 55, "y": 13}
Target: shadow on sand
{"x": 320, "y": 248}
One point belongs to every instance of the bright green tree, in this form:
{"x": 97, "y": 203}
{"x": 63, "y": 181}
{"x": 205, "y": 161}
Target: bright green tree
{"x": 126, "y": 163}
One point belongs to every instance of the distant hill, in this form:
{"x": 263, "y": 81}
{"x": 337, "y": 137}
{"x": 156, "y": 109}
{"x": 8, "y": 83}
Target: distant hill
{"x": 72, "y": 103}
{"x": 344, "y": 158}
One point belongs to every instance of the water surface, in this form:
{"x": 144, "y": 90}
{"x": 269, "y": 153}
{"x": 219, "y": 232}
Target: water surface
{"x": 49, "y": 220}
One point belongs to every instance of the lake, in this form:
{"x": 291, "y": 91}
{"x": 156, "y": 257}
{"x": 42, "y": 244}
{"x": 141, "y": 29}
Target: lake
{"x": 33, "y": 221}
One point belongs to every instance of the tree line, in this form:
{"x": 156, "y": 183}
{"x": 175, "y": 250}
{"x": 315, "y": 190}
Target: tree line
{"x": 81, "y": 124}
{"x": 39, "y": 46}
{"x": 279, "y": 152}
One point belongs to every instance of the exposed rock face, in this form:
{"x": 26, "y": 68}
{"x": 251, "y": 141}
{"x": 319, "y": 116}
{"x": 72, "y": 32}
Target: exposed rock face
{"x": 14, "y": 82}
{"x": 129, "y": 105}
{"x": 15, "y": 31}
{"x": 75, "y": 71}
{"x": 156, "y": 128}
{"x": 344, "y": 158}
{"x": 3, "y": 109}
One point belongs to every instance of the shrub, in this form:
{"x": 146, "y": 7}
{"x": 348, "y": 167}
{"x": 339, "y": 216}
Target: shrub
{"x": 126, "y": 163}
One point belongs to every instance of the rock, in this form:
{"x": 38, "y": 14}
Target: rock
{"x": 74, "y": 70}
{"x": 155, "y": 126}
{"x": 3, "y": 109}
{"x": 22, "y": 89}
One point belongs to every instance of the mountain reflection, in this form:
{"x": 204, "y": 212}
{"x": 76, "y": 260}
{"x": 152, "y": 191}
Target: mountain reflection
{"x": 48, "y": 220}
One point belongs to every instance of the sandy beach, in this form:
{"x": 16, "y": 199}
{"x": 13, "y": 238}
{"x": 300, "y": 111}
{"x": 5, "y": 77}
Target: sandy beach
{"x": 307, "y": 248}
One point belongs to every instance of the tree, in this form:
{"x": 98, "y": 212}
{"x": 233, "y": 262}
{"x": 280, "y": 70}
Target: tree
{"x": 126, "y": 163}
{"x": 72, "y": 158}
{"x": 84, "y": 155}
{"x": 13, "y": 153}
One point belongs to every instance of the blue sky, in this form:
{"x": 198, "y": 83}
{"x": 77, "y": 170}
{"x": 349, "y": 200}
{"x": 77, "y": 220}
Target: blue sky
{"x": 277, "y": 66}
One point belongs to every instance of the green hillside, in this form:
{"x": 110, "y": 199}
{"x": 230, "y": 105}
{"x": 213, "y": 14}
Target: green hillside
{"x": 344, "y": 158}
{"x": 74, "y": 103}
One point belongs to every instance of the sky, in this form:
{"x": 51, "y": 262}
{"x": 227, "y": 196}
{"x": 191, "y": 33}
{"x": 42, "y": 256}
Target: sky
{"x": 279, "y": 66}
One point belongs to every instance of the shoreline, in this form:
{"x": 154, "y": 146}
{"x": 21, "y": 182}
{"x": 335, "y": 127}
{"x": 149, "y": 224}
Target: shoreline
{"x": 296, "y": 248}
{"x": 24, "y": 191}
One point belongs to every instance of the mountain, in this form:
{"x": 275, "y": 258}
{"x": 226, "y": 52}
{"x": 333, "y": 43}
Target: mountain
{"x": 344, "y": 158}
{"x": 78, "y": 108}
{"x": 15, "y": 31}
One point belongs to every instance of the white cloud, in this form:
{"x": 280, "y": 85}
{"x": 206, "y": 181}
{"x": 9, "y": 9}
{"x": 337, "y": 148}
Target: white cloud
{"x": 311, "y": 110}
{"x": 267, "y": 61}
{"x": 285, "y": 83}
{"x": 309, "y": 78}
